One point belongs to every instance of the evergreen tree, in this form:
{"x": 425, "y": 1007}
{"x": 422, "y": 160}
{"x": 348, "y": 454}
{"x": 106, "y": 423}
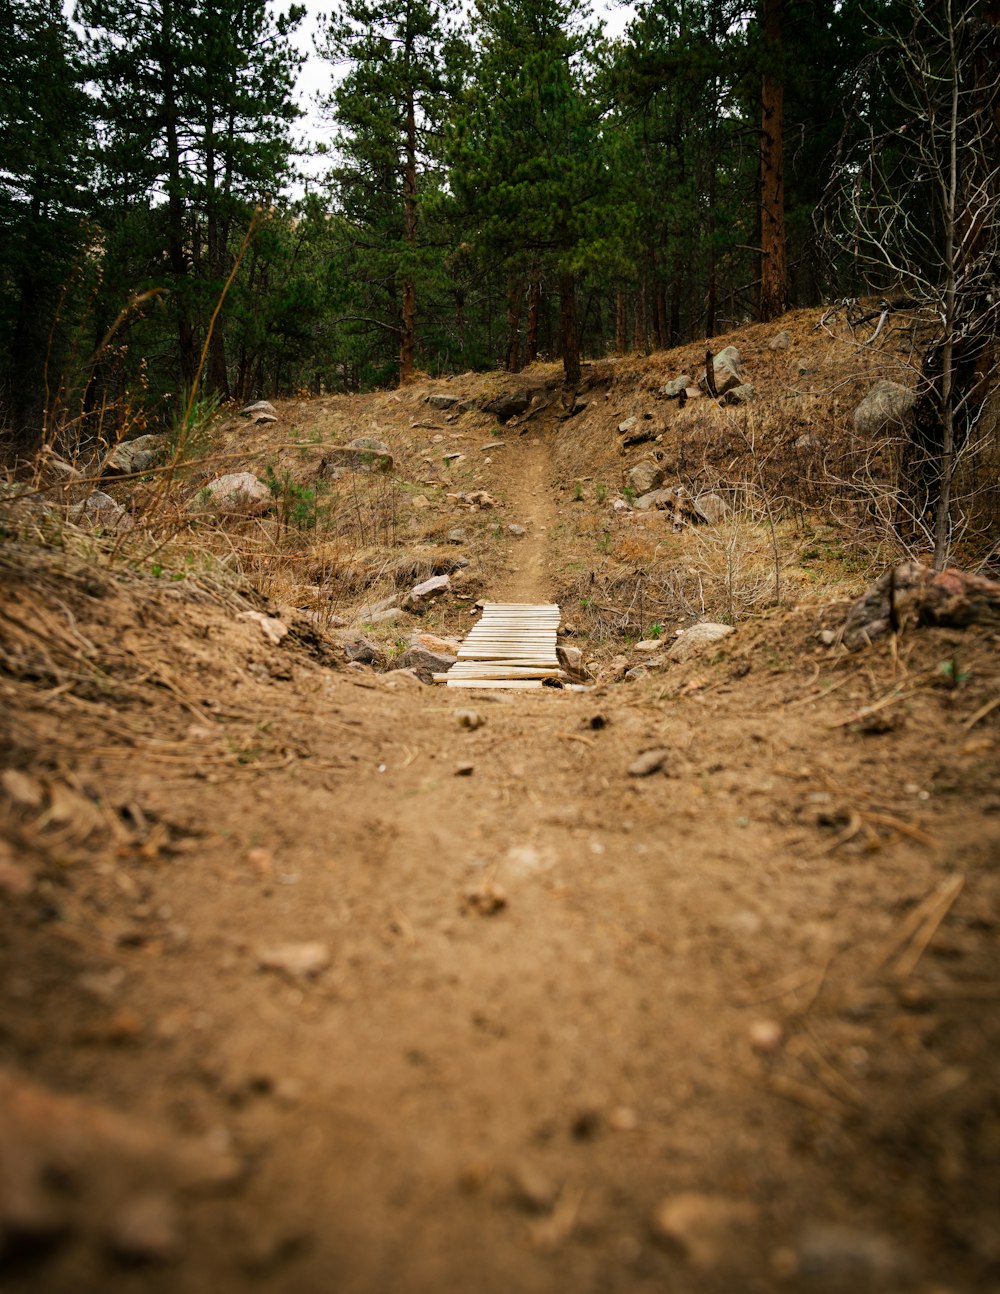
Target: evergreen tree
{"x": 388, "y": 107}
{"x": 45, "y": 132}
{"x": 195, "y": 103}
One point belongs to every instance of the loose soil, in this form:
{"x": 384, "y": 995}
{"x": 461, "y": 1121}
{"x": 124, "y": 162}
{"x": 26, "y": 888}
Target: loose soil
{"x": 731, "y": 1025}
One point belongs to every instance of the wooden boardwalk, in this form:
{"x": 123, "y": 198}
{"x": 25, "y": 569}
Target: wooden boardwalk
{"x": 512, "y": 645}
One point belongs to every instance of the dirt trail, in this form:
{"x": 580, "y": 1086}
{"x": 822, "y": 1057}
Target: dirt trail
{"x": 530, "y": 504}
{"x": 567, "y": 1027}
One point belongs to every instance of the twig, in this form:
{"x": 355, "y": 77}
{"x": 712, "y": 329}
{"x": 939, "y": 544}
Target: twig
{"x": 910, "y": 941}
{"x": 981, "y": 713}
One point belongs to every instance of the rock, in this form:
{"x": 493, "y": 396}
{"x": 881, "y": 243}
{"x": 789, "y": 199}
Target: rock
{"x": 780, "y": 341}
{"x": 571, "y": 662}
{"x": 425, "y": 663}
{"x": 458, "y": 535}
{"x": 649, "y": 762}
{"x": 711, "y": 508}
{"x": 363, "y": 454}
{"x": 625, "y": 427}
{"x": 623, "y": 1119}
{"x": 137, "y": 455}
{"x": 807, "y": 441}
{"x": 297, "y": 960}
{"x": 360, "y": 650}
{"x": 261, "y": 406}
{"x": 100, "y": 509}
{"x": 766, "y": 1035}
{"x": 258, "y": 419}
{"x": 394, "y": 678}
{"x": 517, "y": 531}
{"x": 644, "y": 477}
{"x": 508, "y": 406}
{"x": 420, "y": 502}
{"x": 532, "y": 1189}
{"x": 648, "y": 645}
{"x": 656, "y": 499}
{"x": 741, "y": 394}
{"x": 421, "y": 595}
{"x": 470, "y": 719}
{"x": 449, "y": 646}
{"x": 388, "y": 616}
{"x": 465, "y": 769}
{"x": 620, "y": 505}
{"x": 441, "y": 401}
{"x": 369, "y": 609}
{"x": 272, "y": 629}
{"x": 887, "y": 408}
{"x": 832, "y": 1257}
{"x": 454, "y": 457}
{"x": 146, "y": 1229}
{"x": 673, "y": 390}
{"x": 22, "y": 789}
{"x": 922, "y": 597}
{"x": 636, "y": 673}
{"x": 708, "y": 1230}
{"x": 697, "y": 640}
{"x": 728, "y": 369}
{"x": 486, "y": 899}
{"x": 236, "y": 493}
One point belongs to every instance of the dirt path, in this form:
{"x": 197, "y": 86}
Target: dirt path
{"x": 472, "y": 1008}
{"x": 529, "y": 480}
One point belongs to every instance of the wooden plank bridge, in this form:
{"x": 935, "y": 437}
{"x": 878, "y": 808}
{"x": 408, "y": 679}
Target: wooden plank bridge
{"x": 512, "y": 645}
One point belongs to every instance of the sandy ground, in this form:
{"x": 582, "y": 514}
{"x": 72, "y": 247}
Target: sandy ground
{"x": 290, "y": 1003}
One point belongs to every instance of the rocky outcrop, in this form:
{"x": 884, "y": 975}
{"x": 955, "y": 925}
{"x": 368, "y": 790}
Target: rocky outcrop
{"x": 911, "y": 594}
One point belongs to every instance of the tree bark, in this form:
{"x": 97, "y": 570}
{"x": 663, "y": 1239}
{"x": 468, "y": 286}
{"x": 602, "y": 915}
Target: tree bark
{"x": 515, "y": 294}
{"x": 568, "y": 337}
{"x": 621, "y": 337}
{"x": 534, "y": 303}
{"x": 407, "y": 340}
{"x": 176, "y": 252}
{"x": 773, "y": 258}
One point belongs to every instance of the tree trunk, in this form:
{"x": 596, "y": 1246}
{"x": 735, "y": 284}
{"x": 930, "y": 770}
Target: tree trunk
{"x": 568, "y": 337}
{"x": 621, "y": 337}
{"x": 515, "y": 294}
{"x": 534, "y": 303}
{"x": 176, "y": 253}
{"x": 407, "y": 339}
{"x": 773, "y": 263}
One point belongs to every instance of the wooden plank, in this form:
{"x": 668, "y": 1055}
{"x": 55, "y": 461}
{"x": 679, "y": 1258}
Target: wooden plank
{"x": 493, "y": 682}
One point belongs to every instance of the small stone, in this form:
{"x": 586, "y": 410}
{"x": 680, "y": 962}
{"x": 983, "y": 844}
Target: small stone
{"x": 827, "y": 637}
{"x": 299, "y": 960}
{"x": 146, "y": 1229}
{"x": 623, "y": 1119}
{"x": 464, "y": 770}
{"x": 457, "y": 535}
{"x": 648, "y": 645}
{"x": 649, "y": 762}
{"x": 671, "y": 390}
{"x": 420, "y": 502}
{"x": 707, "y": 1229}
{"x": 516, "y": 530}
{"x": 696, "y": 640}
{"x": 780, "y": 341}
{"x": 766, "y": 1035}
{"x": 470, "y": 719}
{"x": 272, "y": 629}
{"x": 21, "y": 788}
{"x": 531, "y": 1188}
{"x": 627, "y": 425}
{"x": 486, "y": 899}
{"x": 636, "y": 673}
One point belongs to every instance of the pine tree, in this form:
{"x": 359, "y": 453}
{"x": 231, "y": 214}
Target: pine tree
{"x": 196, "y": 105}
{"x": 525, "y": 153}
{"x": 388, "y": 107}
{"x": 45, "y": 132}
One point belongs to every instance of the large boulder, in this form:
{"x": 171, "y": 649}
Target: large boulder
{"x": 236, "y": 493}
{"x": 509, "y": 405}
{"x": 727, "y": 367}
{"x": 675, "y": 389}
{"x": 644, "y": 476}
{"x": 888, "y": 407}
{"x": 421, "y": 595}
{"x": 137, "y": 455}
{"x": 711, "y": 508}
{"x": 697, "y": 640}
{"x": 363, "y": 454}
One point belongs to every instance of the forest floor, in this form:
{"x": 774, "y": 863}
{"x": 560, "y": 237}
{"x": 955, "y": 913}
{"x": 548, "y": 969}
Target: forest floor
{"x": 312, "y": 981}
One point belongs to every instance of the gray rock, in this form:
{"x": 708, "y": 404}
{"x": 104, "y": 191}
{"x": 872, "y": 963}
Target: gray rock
{"x": 261, "y": 406}
{"x": 360, "y": 650}
{"x": 672, "y": 390}
{"x": 697, "y": 640}
{"x": 508, "y": 406}
{"x": 571, "y": 662}
{"x": 741, "y": 394}
{"x": 711, "y": 508}
{"x": 780, "y": 341}
{"x": 364, "y": 454}
{"x": 100, "y": 509}
{"x": 421, "y": 595}
{"x": 424, "y": 662}
{"x": 369, "y": 609}
{"x": 517, "y": 531}
{"x": 442, "y": 401}
{"x": 644, "y": 477}
{"x": 807, "y": 441}
{"x": 137, "y": 455}
{"x": 389, "y": 616}
{"x": 657, "y": 499}
{"x": 236, "y": 492}
{"x": 888, "y": 407}
{"x": 728, "y": 369}
{"x": 636, "y": 673}
{"x": 404, "y": 678}
{"x": 457, "y": 535}
{"x": 625, "y": 427}
{"x": 832, "y": 1257}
